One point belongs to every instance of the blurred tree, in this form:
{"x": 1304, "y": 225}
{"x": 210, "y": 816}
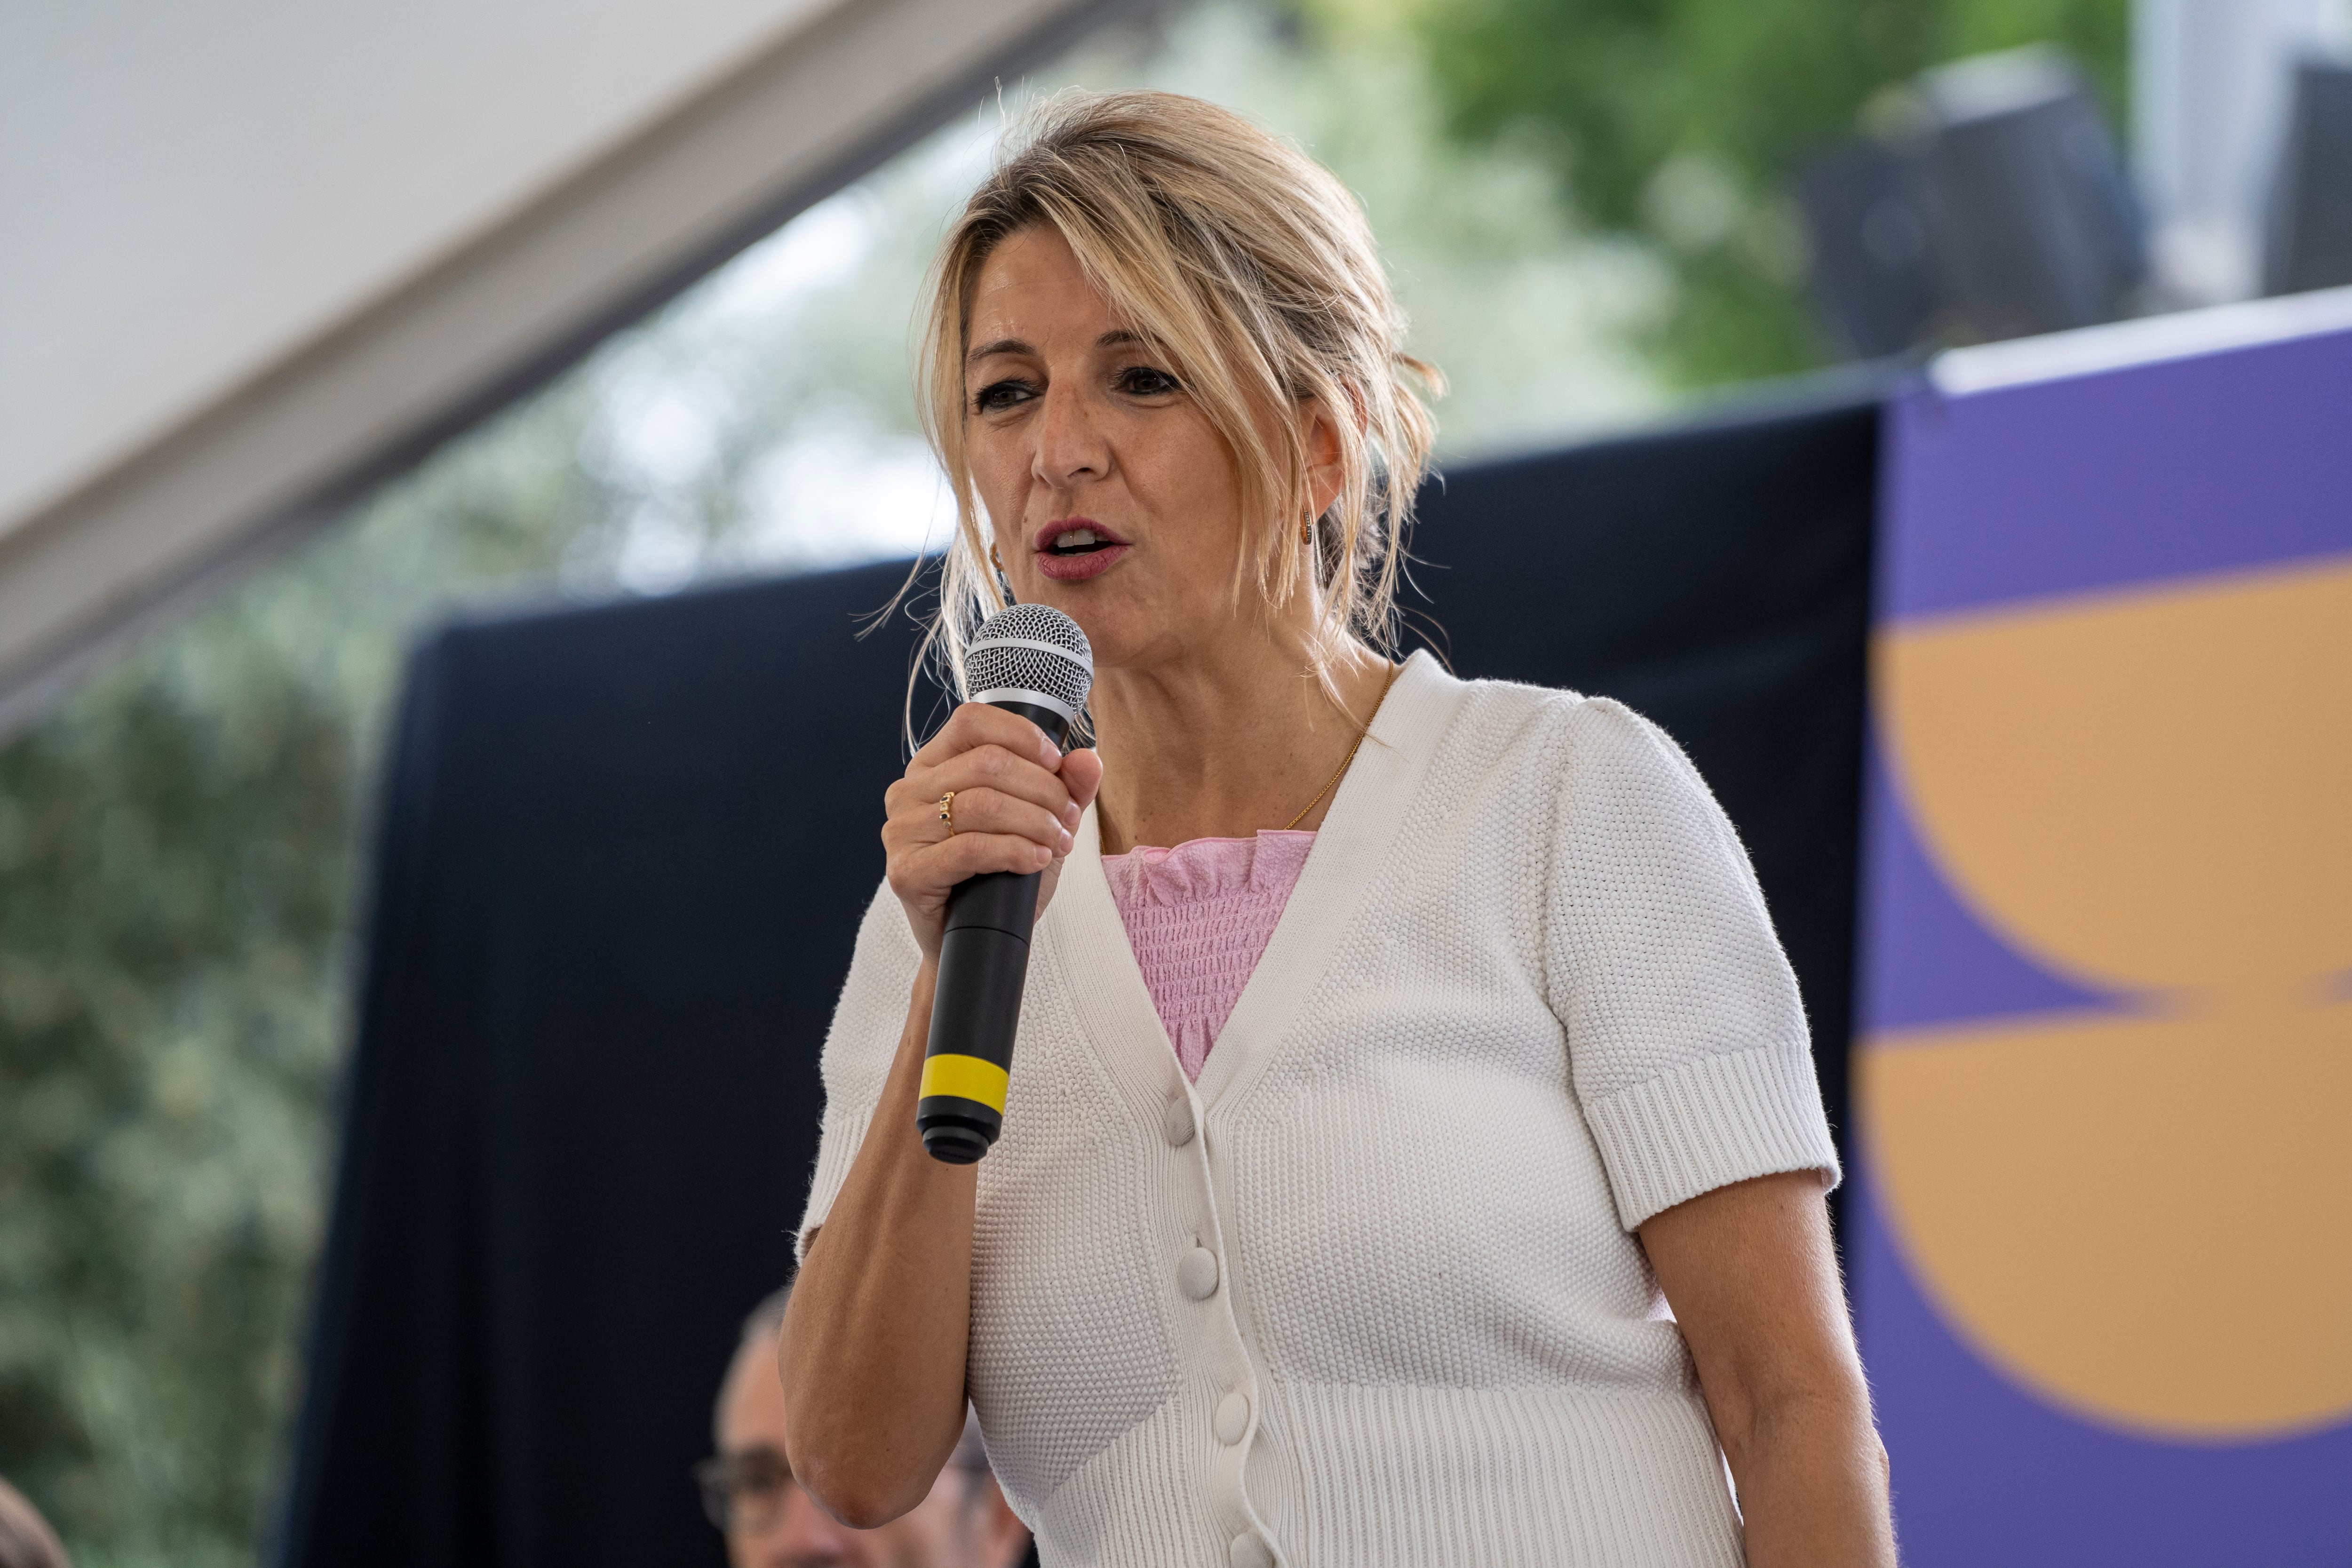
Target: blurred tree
{"x": 178, "y": 854}
{"x": 1532, "y": 315}
{"x": 1680, "y": 122}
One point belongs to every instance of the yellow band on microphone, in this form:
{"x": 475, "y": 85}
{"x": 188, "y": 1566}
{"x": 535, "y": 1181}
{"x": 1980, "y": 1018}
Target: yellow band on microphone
{"x": 966, "y": 1078}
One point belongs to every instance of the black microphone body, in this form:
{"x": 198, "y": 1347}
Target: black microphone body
{"x": 984, "y": 948}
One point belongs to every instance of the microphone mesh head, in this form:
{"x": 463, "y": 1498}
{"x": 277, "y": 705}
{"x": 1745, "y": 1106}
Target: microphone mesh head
{"x": 1030, "y": 647}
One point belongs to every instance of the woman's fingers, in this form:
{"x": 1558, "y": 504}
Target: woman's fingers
{"x": 981, "y": 809}
{"x": 993, "y": 793}
{"x": 976, "y": 724}
{"x": 1012, "y": 811}
{"x": 970, "y": 853}
{"x": 1004, "y": 772}
{"x": 923, "y": 877}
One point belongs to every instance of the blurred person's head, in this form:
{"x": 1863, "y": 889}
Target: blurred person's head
{"x": 25, "y": 1539}
{"x": 749, "y": 1491}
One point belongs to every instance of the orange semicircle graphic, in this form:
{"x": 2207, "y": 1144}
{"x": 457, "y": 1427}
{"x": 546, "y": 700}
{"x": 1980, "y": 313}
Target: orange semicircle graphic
{"x": 2142, "y": 1216}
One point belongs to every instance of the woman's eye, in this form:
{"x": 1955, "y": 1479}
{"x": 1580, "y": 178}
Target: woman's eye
{"x": 1143, "y": 380}
{"x": 999, "y": 395}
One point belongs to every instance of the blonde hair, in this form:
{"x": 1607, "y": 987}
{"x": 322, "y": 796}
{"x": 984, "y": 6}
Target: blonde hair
{"x": 1252, "y": 269}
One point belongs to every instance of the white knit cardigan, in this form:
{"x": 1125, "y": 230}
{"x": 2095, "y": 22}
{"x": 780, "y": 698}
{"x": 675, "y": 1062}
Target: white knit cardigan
{"x": 1368, "y": 1294}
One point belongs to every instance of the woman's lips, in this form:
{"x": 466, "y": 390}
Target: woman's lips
{"x": 1077, "y": 565}
{"x": 1078, "y": 568}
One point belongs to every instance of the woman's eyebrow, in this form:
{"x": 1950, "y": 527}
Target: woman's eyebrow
{"x": 1117, "y": 337}
{"x": 1001, "y": 346}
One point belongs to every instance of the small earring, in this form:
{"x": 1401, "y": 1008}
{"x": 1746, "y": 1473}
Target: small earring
{"x": 995, "y": 559}
{"x": 1306, "y": 531}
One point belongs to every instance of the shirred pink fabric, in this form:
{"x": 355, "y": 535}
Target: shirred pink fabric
{"x": 1199, "y": 917}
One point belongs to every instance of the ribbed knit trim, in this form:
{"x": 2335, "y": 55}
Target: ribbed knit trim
{"x": 1505, "y": 1477}
{"x": 1166, "y": 1493}
{"x": 1135, "y": 1501}
{"x": 1709, "y": 1123}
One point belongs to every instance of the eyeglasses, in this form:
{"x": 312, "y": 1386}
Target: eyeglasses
{"x": 744, "y": 1490}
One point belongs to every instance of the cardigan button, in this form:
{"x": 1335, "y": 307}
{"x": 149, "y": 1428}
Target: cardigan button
{"x": 1196, "y": 1273}
{"x": 1249, "y": 1552}
{"x": 1177, "y": 1123}
{"x": 1233, "y": 1417}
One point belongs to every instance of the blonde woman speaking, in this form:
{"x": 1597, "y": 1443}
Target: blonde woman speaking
{"x": 1412, "y": 1154}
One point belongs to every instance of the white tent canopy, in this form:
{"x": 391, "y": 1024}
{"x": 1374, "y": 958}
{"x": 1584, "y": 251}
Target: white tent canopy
{"x": 257, "y": 254}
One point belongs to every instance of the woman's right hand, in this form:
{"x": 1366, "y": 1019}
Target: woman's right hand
{"x": 1017, "y": 802}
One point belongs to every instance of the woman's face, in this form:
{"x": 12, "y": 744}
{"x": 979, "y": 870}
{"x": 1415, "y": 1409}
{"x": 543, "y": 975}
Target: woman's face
{"x": 1112, "y": 497}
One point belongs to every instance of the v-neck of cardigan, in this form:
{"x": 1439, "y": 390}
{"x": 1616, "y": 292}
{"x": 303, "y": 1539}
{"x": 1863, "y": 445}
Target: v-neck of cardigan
{"x": 1106, "y": 982}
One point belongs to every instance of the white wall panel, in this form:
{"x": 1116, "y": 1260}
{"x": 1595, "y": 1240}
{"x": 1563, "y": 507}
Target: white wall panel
{"x": 256, "y": 254}
{"x": 194, "y": 190}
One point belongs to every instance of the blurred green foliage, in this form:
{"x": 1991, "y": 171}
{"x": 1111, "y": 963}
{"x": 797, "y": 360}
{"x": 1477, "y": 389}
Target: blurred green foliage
{"x": 179, "y": 855}
{"x": 1681, "y": 121}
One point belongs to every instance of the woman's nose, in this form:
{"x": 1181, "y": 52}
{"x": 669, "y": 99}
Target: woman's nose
{"x": 1069, "y": 447}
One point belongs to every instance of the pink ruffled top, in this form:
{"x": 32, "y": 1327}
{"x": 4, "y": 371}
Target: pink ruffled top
{"x": 1199, "y": 917}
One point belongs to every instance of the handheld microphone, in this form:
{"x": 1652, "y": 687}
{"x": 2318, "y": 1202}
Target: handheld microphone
{"x": 1032, "y": 661}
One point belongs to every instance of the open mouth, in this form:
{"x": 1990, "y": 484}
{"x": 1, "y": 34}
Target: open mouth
{"x": 1075, "y": 550}
{"x": 1080, "y": 542}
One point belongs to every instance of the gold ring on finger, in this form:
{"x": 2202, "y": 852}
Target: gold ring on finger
{"x": 947, "y": 812}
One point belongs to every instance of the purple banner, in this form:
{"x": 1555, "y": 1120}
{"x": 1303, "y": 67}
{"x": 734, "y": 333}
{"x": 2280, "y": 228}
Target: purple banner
{"x": 2102, "y": 1230}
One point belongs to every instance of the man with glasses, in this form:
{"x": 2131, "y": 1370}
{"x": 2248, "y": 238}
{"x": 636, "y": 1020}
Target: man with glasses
{"x": 769, "y": 1522}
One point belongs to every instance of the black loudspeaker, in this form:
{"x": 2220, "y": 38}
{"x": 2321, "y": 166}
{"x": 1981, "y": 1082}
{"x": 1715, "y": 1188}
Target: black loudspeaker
{"x": 2033, "y": 224}
{"x": 1872, "y": 279}
{"x": 1992, "y": 204}
{"x": 2309, "y": 243}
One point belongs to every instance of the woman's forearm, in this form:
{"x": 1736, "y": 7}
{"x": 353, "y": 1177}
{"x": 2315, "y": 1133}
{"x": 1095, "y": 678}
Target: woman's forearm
{"x": 873, "y": 1346}
{"x": 1752, "y": 1274}
{"x": 1812, "y": 1482}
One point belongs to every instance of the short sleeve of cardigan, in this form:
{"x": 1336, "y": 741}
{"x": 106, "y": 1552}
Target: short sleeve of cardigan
{"x": 1686, "y": 1036}
{"x": 858, "y": 1049}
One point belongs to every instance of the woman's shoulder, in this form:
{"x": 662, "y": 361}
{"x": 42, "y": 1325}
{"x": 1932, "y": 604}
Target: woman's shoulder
{"x": 1565, "y": 725}
{"x": 1605, "y": 771}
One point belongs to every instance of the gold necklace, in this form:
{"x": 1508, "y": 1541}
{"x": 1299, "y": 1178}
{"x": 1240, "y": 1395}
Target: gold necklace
{"x": 1347, "y": 760}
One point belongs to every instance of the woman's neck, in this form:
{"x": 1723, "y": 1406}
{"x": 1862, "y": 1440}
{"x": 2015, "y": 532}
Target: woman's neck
{"x": 1234, "y": 738}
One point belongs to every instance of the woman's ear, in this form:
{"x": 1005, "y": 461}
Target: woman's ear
{"x": 1325, "y": 470}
